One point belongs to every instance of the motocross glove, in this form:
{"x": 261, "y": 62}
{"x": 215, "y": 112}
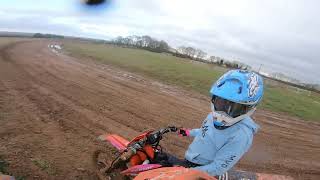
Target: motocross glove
{"x": 184, "y": 132}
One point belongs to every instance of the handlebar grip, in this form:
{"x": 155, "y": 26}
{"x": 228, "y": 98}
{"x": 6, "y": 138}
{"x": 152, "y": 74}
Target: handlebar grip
{"x": 173, "y": 128}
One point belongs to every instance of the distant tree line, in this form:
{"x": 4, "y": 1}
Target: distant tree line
{"x": 190, "y": 52}
{"x": 199, "y": 55}
{"x": 143, "y": 42}
{"x": 39, "y": 35}
{"x": 160, "y": 46}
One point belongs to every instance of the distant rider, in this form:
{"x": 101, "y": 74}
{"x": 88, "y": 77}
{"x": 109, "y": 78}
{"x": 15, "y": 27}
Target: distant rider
{"x": 227, "y": 132}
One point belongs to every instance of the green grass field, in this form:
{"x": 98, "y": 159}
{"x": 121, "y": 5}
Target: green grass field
{"x": 195, "y": 76}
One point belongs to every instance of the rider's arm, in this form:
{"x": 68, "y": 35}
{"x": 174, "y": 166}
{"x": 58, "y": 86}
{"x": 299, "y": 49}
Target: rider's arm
{"x": 194, "y": 132}
{"x": 227, "y": 156}
{"x": 188, "y": 132}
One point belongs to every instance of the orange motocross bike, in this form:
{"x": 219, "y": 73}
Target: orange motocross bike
{"x": 138, "y": 159}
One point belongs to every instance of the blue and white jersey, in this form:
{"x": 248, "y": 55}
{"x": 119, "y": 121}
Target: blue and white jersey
{"x": 218, "y": 150}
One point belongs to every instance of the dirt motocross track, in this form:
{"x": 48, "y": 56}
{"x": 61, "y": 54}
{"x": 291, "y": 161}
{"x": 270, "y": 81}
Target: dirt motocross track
{"x": 54, "y": 106}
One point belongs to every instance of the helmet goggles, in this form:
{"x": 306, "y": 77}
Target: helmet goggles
{"x": 232, "y": 109}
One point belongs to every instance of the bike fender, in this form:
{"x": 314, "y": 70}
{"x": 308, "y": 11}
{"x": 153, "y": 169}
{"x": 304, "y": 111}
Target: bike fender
{"x": 117, "y": 141}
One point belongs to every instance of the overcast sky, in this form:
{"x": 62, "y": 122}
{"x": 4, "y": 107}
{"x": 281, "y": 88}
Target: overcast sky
{"x": 283, "y": 35}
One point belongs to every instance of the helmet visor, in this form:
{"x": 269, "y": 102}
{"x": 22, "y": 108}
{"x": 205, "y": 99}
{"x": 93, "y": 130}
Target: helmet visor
{"x": 231, "y": 108}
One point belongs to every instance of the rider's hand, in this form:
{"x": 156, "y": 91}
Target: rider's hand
{"x": 184, "y": 132}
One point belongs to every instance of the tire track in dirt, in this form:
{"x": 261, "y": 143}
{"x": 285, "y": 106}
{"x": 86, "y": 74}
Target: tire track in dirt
{"x": 57, "y": 105}
{"x": 43, "y": 93}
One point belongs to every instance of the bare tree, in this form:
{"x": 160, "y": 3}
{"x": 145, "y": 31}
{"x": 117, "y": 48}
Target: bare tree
{"x": 139, "y": 42}
{"x": 182, "y": 50}
{"x": 133, "y": 40}
{"x": 213, "y": 59}
{"x": 191, "y": 52}
{"x": 127, "y": 41}
{"x": 200, "y": 54}
{"x": 146, "y": 40}
{"x": 164, "y": 46}
{"x": 118, "y": 40}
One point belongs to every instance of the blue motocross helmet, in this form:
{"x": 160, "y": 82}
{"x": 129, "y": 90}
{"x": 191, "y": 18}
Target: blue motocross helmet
{"x": 235, "y": 96}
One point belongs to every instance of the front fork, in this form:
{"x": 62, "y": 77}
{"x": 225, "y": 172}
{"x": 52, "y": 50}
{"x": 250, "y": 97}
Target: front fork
{"x": 120, "y": 160}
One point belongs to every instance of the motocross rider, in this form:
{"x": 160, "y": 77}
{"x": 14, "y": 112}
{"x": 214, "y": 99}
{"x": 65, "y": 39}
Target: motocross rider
{"x": 227, "y": 132}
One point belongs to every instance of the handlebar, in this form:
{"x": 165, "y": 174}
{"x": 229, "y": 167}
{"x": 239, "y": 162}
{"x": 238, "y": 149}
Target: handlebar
{"x": 170, "y": 129}
{"x": 153, "y": 139}
{"x": 156, "y": 136}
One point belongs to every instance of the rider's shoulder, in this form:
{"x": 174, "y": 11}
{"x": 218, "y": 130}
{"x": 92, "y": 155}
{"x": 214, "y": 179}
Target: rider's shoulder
{"x": 249, "y": 125}
{"x": 247, "y": 128}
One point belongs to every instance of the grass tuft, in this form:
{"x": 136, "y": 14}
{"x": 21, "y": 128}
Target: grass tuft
{"x": 44, "y": 166}
{"x": 3, "y": 166}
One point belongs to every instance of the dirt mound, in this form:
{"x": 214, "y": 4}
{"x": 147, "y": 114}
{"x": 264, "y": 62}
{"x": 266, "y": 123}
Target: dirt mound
{"x": 53, "y": 107}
